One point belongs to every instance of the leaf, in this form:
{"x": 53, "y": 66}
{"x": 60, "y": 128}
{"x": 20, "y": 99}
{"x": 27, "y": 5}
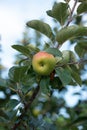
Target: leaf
{"x": 3, "y": 82}
{"x": 64, "y": 75}
{"x": 44, "y": 84}
{"x": 3, "y": 121}
{"x": 24, "y": 50}
{"x": 75, "y": 75}
{"x": 79, "y": 120}
{"x": 16, "y": 73}
{"x": 82, "y": 8}
{"x": 19, "y": 73}
{"x": 56, "y": 84}
{"x": 54, "y": 51}
{"x": 70, "y": 32}
{"x": 42, "y": 27}
{"x": 3, "y": 114}
{"x": 12, "y": 104}
{"x": 59, "y": 12}
{"x": 81, "y": 48}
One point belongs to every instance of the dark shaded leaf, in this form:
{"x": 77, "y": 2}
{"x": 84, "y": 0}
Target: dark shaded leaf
{"x": 44, "y": 84}
{"x": 12, "y": 104}
{"x": 56, "y": 83}
{"x": 3, "y": 121}
{"x": 79, "y": 120}
{"x": 17, "y": 73}
{"x": 42, "y": 27}
{"x": 82, "y": 8}
{"x": 59, "y": 12}
{"x": 3, "y": 114}
{"x": 64, "y": 75}
{"x": 81, "y": 48}
{"x": 70, "y": 32}
{"x": 75, "y": 75}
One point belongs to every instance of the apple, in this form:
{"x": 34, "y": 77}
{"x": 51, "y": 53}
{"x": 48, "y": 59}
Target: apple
{"x": 36, "y": 112}
{"x": 43, "y": 63}
{"x": 67, "y": 57}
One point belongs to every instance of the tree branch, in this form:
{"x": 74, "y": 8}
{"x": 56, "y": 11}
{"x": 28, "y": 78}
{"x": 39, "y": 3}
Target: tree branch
{"x": 26, "y": 107}
{"x": 71, "y": 12}
{"x": 81, "y": 61}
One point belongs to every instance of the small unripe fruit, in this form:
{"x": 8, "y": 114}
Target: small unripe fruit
{"x": 67, "y": 57}
{"x": 32, "y": 47}
{"x": 36, "y": 112}
{"x": 43, "y": 63}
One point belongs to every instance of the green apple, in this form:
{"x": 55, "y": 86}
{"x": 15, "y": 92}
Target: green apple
{"x": 43, "y": 63}
{"x": 36, "y": 112}
{"x": 67, "y": 57}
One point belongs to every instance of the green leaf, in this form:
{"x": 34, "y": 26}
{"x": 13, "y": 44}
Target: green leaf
{"x": 64, "y": 75}
{"x": 24, "y": 50}
{"x": 59, "y": 12}
{"x": 81, "y": 48}
{"x": 16, "y": 73}
{"x": 12, "y": 104}
{"x": 79, "y": 120}
{"x": 3, "y": 114}
{"x": 3, "y": 82}
{"x": 56, "y": 83}
{"x": 3, "y": 121}
{"x": 54, "y": 51}
{"x": 44, "y": 84}
{"x": 75, "y": 75}
{"x": 70, "y": 32}
{"x": 42, "y": 27}
{"x": 82, "y": 8}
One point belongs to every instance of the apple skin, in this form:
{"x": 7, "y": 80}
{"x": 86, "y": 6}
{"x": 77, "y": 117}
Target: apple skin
{"x": 43, "y": 63}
